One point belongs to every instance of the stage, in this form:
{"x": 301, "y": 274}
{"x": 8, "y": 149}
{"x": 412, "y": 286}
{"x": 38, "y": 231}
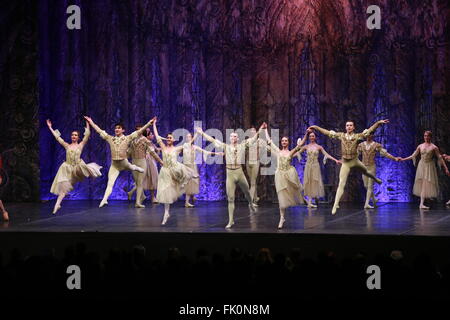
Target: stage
{"x": 211, "y": 217}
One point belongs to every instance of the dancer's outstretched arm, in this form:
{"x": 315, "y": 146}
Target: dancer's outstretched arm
{"x": 56, "y": 134}
{"x": 141, "y": 130}
{"x": 253, "y": 139}
{"x": 414, "y": 155}
{"x": 386, "y": 154}
{"x": 218, "y": 144}
{"x": 327, "y": 155}
{"x": 330, "y": 133}
{"x": 87, "y": 134}
{"x": 367, "y": 132}
{"x": 270, "y": 145}
{"x": 158, "y": 138}
{"x": 101, "y": 132}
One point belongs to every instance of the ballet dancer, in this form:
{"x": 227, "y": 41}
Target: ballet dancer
{"x": 312, "y": 177}
{"x": 74, "y": 169}
{"x": 287, "y": 184}
{"x": 252, "y": 164}
{"x": 3, "y": 183}
{"x": 139, "y": 148}
{"x": 150, "y": 181}
{"x": 349, "y": 148}
{"x": 369, "y": 150}
{"x": 118, "y": 145}
{"x": 173, "y": 176}
{"x": 234, "y": 158}
{"x": 447, "y": 158}
{"x": 426, "y": 182}
{"x": 189, "y": 154}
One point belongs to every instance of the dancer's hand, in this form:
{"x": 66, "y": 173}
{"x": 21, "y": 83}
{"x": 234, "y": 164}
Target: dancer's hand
{"x": 220, "y": 153}
{"x": 339, "y": 162}
{"x": 383, "y": 121}
{"x": 199, "y": 130}
{"x": 263, "y": 126}
{"x": 311, "y": 129}
{"x": 49, "y": 123}
{"x": 398, "y": 159}
{"x": 88, "y": 119}
{"x": 153, "y": 120}
{"x": 87, "y": 125}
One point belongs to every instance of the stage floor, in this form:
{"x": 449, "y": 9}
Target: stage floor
{"x": 211, "y": 217}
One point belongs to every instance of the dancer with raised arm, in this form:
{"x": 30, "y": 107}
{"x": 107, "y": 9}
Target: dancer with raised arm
{"x": 74, "y": 169}
{"x": 252, "y": 164}
{"x": 426, "y": 184}
{"x": 312, "y": 177}
{"x": 287, "y": 184}
{"x": 234, "y": 158}
{"x": 139, "y": 148}
{"x": 118, "y": 145}
{"x": 3, "y": 183}
{"x": 173, "y": 176}
{"x": 349, "y": 148}
{"x": 369, "y": 150}
{"x": 189, "y": 154}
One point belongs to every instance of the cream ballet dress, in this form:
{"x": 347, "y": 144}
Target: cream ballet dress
{"x": 288, "y": 186}
{"x": 173, "y": 177}
{"x": 74, "y": 169}
{"x": 312, "y": 177}
{"x": 426, "y": 174}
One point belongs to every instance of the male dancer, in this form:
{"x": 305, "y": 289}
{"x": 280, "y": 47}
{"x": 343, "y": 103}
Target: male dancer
{"x": 349, "y": 146}
{"x": 138, "y": 150}
{"x": 118, "y": 146}
{"x": 234, "y": 154}
{"x": 369, "y": 149}
{"x": 252, "y": 164}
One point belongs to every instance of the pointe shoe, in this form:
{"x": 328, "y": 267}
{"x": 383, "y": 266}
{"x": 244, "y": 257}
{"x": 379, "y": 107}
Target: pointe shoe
{"x": 252, "y": 207}
{"x": 280, "y": 224}
{"x": 165, "y": 218}
{"x": 5, "y": 216}
{"x": 448, "y": 203}
{"x": 377, "y": 180}
{"x": 424, "y": 207}
{"x": 188, "y": 205}
{"x": 368, "y": 206}
{"x": 55, "y": 210}
{"x": 255, "y": 204}
{"x": 229, "y": 225}
{"x": 139, "y": 205}
{"x": 310, "y": 205}
{"x": 155, "y": 201}
{"x": 103, "y": 203}
{"x": 333, "y": 211}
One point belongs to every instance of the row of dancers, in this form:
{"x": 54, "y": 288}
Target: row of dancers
{"x": 176, "y": 178}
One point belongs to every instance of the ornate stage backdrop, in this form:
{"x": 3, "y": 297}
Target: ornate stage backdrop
{"x": 230, "y": 64}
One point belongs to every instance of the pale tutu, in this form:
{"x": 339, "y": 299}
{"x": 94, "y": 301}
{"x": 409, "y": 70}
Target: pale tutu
{"x": 426, "y": 176}
{"x": 173, "y": 178}
{"x": 68, "y": 175}
{"x": 151, "y": 174}
{"x": 312, "y": 177}
{"x": 287, "y": 184}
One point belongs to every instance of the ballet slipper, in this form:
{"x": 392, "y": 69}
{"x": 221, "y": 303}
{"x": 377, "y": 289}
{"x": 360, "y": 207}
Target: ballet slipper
{"x": 5, "y": 216}
{"x": 448, "y": 203}
{"x": 368, "y": 206}
{"x": 55, "y": 210}
{"x": 252, "y": 207}
{"x": 229, "y": 225}
{"x": 165, "y": 218}
{"x": 333, "y": 211}
{"x": 139, "y": 205}
{"x": 188, "y": 205}
{"x": 255, "y": 204}
{"x": 280, "y": 224}
{"x": 424, "y": 207}
{"x": 103, "y": 203}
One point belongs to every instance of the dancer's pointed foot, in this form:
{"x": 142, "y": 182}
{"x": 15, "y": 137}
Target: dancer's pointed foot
{"x": 280, "y": 224}
{"x": 155, "y": 201}
{"x": 256, "y": 200}
{"x": 188, "y": 205}
{"x": 310, "y": 205}
{"x": 165, "y": 218}
{"x": 103, "y": 203}
{"x": 377, "y": 180}
{"x": 333, "y": 211}
{"x": 5, "y": 216}
{"x": 252, "y": 207}
{"x": 255, "y": 204}
{"x": 55, "y": 210}
{"x": 368, "y": 206}
{"x": 229, "y": 225}
{"x": 139, "y": 205}
{"x": 424, "y": 207}
{"x": 448, "y": 203}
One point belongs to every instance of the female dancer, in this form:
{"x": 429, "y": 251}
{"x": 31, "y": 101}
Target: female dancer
{"x": 189, "y": 153}
{"x": 312, "y": 178}
{"x": 3, "y": 183}
{"x": 426, "y": 182}
{"x": 173, "y": 175}
{"x": 287, "y": 183}
{"x": 74, "y": 169}
{"x": 447, "y": 158}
